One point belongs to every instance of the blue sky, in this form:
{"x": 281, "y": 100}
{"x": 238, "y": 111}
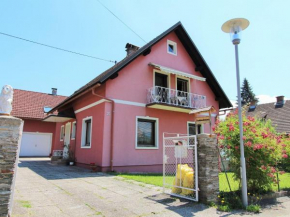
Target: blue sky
{"x": 87, "y": 27}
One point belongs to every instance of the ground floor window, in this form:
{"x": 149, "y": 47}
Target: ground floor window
{"x": 192, "y": 128}
{"x": 146, "y": 133}
{"x": 86, "y": 132}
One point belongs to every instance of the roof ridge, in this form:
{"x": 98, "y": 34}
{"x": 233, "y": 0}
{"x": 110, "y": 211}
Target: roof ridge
{"x": 38, "y": 92}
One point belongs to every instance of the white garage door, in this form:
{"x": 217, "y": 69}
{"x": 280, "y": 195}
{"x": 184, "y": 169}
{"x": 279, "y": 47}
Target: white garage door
{"x": 35, "y": 144}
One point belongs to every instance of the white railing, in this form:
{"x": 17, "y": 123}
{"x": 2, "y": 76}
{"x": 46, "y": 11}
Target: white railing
{"x": 175, "y": 97}
{"x": 57, "y": 153}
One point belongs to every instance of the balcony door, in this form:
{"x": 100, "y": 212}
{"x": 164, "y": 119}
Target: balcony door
{"x": 161, "y": 80}
{"x": 161, "y": 88}
{"x": 182, "y": 87}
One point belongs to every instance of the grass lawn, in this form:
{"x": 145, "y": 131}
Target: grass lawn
{"x": 157, "y": 179}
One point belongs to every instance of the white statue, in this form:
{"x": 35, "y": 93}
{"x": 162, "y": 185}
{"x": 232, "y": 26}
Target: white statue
{"x": 6, "y": 98}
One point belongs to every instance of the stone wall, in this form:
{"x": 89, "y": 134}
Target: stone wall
{"x": 10, "y": 136}
{"x": 208, "y": 172}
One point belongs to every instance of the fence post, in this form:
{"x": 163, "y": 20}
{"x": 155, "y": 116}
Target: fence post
{"x": 208, "y": 172}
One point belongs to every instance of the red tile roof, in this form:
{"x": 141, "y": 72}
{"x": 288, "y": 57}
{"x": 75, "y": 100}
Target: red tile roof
{"x": 29, "y": 104}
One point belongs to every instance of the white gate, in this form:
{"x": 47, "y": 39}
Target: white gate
{"x": 180, "y": 175}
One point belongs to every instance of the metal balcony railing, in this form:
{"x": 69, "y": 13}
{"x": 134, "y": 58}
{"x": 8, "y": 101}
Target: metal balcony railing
{"x": 175, "y": 97}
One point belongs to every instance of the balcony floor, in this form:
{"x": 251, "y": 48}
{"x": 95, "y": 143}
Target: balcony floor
{"x": 169, "y": 107}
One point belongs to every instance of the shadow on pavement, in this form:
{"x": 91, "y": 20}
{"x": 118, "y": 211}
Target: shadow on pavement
{"x": 44, "y": 168}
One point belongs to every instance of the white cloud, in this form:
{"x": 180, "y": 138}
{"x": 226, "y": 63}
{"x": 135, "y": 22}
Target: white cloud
{"x": 267, "y": 99}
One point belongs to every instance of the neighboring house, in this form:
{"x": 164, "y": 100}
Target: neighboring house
{"x": 121, "y": 115}
{"x": 38, "y": 136}
{"x": 278, "y": 112}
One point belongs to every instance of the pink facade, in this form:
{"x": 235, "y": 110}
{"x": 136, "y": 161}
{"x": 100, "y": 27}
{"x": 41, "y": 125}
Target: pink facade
{"x": 129, "y": 93}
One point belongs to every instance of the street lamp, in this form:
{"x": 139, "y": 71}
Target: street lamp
{"x": 235, "y": 27}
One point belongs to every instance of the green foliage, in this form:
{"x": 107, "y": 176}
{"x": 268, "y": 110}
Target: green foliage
{"x": 230, "y": 199}
{"x": 264, "y": 149}
{"x": 212, "y": 204}
{"x": 224, "y": 208}
{"x": 247, "y": 94}
{"x": 253, "y": 208}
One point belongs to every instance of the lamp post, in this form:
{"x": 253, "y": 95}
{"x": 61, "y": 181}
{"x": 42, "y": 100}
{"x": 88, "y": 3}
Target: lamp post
{"x": 235, "y": 27}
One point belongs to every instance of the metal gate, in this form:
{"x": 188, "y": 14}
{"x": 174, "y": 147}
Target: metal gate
{"x": 180, "y": 176}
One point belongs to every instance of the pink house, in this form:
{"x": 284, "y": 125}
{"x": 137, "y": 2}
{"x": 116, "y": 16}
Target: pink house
{"x": 38, "y": 138}
{"x": 117, "y": 120}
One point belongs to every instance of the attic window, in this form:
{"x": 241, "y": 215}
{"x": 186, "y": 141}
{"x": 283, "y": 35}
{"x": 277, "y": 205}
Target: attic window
{"x": 171, "y": 47}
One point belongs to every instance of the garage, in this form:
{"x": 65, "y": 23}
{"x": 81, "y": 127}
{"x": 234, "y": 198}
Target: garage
{"x": 35, "y": 144}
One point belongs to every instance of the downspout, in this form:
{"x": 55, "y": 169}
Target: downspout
{"x": 112, "y": 128}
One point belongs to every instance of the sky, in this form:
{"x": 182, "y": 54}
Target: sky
{"x": 87, "y": 27}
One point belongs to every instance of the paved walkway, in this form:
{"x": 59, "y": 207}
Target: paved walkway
{"x": 43, "y": 189}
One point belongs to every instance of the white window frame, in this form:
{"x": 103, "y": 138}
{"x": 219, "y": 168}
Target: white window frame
{"x": 73, "y": 130}
{"x": 184, "y": 78}
{"x": 174, "y": 44}
{"x": 62, "y": 133}
{"x": 160, "y": 72}
{"x": 193, "y": 122}
{"x": 156, "y": 132}
{"x": 84, "y": 132}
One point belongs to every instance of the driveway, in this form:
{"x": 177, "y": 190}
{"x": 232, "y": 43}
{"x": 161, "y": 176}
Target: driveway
{"x": 43, "y": 189}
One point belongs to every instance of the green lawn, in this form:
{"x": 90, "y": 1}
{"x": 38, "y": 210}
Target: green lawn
{"x": 157, "y": 179}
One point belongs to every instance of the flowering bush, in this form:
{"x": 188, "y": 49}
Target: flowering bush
{"x": 264, "y": 149}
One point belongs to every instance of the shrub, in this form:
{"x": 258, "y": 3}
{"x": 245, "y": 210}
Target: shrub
{"x": 253, "y": 208}
{"x": 264, "y": 149}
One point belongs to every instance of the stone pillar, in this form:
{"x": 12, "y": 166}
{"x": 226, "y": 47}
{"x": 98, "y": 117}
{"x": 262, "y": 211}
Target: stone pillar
{"x": 10, "y": 137}
{"x": 208, "y": 172}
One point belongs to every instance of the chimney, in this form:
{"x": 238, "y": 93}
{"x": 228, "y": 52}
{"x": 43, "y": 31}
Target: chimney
{"x": 280, "y": 99}
{"x": 54, "y": 91}
{"x": 130, "y": 48}
{"x": 253, "y": 102}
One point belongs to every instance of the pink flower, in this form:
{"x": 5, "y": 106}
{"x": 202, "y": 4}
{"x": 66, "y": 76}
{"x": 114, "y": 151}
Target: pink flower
{"x": 282, "y": 172}
{"x": 254, "y": 130}
{"x": 221, "y": 146}
{"x": 236, "y": 147}
{"x": 213, "y": 128}
{"x": 258, "y": 146}
{"x": 229, "y": 147}
{"x": 284, "y": 155}
{"x": 248, "y": 144}
{"x": 231, "y": 128}
{"x": 251, "y": 118}
{"x": 273, "y": 170}
{"x": 244, "y": 138}
{"x": 284, "y": 145}
{"x": 263, "y": 167}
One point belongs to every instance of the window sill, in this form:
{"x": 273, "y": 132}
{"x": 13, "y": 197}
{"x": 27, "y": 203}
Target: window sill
{"x": 85, "y": 146}
{"x": 172, "y": 53}
{"x": 146, "y": 148}
{"x": 72, "y": 139}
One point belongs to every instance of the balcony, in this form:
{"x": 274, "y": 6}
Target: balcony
{"x": 170, "y": 99}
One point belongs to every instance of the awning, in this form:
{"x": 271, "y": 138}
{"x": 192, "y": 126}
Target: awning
{"x": 176, "y": 72}
{"x": 202, "y": 110}
{"x": 62, "y": 116}
{"x": 56, "y": 118}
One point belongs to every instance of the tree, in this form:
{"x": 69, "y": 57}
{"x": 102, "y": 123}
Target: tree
{"x": 247, "y": 94}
